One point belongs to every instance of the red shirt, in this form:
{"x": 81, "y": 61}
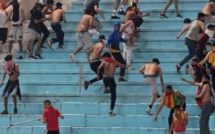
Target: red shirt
{"x": 202, "y": 42}
{"x": 51, "y": 114}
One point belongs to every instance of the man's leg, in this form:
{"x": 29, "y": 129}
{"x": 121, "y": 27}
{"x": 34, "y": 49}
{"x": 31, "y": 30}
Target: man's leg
{"x": 38, "y": 45}
{"x": 15, "y": 104}
{"x": 97, "y": 24}
{"x": 213, "y": 78}
{"x": 55, "y": 29}
{"x": 11, "y": 38}
{"x": 118, "y": 57}
{"x": 166, "y": 7}
{"x": 20, "y": 49}
{"x": 45, "y": 32}
{"x": 112, "y": 86}
{"x": 176, "y": 6}
{"x": 10, "y": 46}
{"x": 116, "y": 5}
{"x": 5, "y": 103}
{"x": 203, "y": 122}
{"x": 170, "y": 118}
{"x": 121, "y": 10}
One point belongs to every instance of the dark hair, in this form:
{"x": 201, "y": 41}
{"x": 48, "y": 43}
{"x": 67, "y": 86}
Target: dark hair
{"x": 8, "y": 57}
{"x": 187, "y": 20}
{"x": 38, "y": 5}
{"x": 47, "y": 101}
{"x": 101, "y": 37}
{"x": 14, "y": 2}
{"x": 50, "y": 2}
{"x": 195, "y": 59}
{"x": 177, "y": 107}
{"x": 155, "y": 60}
{"x": 106, "y": 54}
{"x": 201, "y": 15}
{"x": 210, "y": 26}
{"x": 207, "y": 76}
{"x": 169, "y": 87}
{"x": 59, "y": 4}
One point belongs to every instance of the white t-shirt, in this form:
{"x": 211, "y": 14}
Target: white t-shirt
{"x": 3, "y": 18}
{"x": 210, "y": 33}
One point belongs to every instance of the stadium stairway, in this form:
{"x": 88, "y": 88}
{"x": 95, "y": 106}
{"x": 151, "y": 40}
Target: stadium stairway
{"x": 86, "y": 112}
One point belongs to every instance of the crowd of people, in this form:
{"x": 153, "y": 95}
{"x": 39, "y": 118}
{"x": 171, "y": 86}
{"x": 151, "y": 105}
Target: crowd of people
{"x": 105, "y": 64}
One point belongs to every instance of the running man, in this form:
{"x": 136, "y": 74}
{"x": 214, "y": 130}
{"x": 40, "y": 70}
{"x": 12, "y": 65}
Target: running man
{"x": 17, "y": 16}
{"x": 150, "y": 72}
{"x": 109, "y": 66}
{"x": 208, "y": 106}
{"x": 50, "y": 118}
{"x": 163, "y": 15}
{"x": 95, "y": 61}
{"x": 57, "y": 16}
{"x": 191, "y": 38}
{"x": 208, "y": 10}
{"x": 170, "y": 99}
{"x": 82, "y": 35}
{"x": 12, "y": 87}
{"x": 121, "y": 11}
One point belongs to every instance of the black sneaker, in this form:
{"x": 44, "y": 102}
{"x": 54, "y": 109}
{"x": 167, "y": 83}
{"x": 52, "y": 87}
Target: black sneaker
{"x": 163, "y": 15}
{"x": 121, "y": 12}
{"x": 122, "y": 79}
{"x": 179, "y": 16}
{"x": 187, "y": 69}
{"x": 15, "y": 111}
{"x": 28, "y": 51}
{"x": 115, "y": 17}
{"x": 37, "y": 56}
{"x": 177, "y": 68}
{"x": 86, "y": 85}
{"x": 4, "y": 112}
{"x": 43, "y": 47}
{"x": 20, "y": 57}
{"x": 49, "y": 44}
{"x": 106, "y": 91}
{"x": 112, "y": 113}
{"x": 31, "y": 57}
{"x": 60, "y": 47}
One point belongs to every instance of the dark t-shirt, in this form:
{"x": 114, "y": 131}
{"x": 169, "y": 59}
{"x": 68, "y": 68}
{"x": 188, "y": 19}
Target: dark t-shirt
{"x": 35, "y": 15}
{"x": 90, "y": 6}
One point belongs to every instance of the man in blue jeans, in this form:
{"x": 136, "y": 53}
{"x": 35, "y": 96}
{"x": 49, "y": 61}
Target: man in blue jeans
{"x": 57, "y": 16}
{"x": 193, "y": 31}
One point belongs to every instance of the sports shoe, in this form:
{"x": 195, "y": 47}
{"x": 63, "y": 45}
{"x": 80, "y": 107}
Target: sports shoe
{"x": 15, "y": 111}
{"x": 31, "y": 57}
{"x": 49, "y": 44}
{"x": 72, "y": 57}
{"x": 43, "y": 47}
{"x": 106, "y": 90}
{"x": 122, "y": 79}
{"x": 129, "y": 67}
{"x": 149, "y": 111}
{"x": 177, "y": 68}
{"x": 4, "y": 112}
{"x": 20, "y": 57}
{"x": 28, "y": 51}
{"x": 187, "y": 69}
{"x": 86, "y": 84}
{"x": 179, "y": 16}
{"x": 111, "y": 113}
{"x": 163, "y": 15}
{"x": 115, "y": 17}
{"x": 38, "y": 56}
{"x": 60, "y": 47}
{"x": 121, "y": 12}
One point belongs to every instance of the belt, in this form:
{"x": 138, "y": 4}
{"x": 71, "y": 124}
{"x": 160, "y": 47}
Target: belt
{"x": 114, "y": 51}
{"x": 95, "y": 60}
{"x": 149, "y": 76}
{"x": 206, "y": 102}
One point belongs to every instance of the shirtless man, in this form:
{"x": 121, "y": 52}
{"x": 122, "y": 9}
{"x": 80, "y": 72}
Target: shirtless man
{"x": 12, "y": 87}
{"x": 208, "y": 106}
{"x": 150, "y": 72}
{"x": 109, "y": 66}
{"x": 82, "y": 35}
{"x": 95, "y": 61}
{"x": 57, "y": 16}
{"x": 208, "y": 10}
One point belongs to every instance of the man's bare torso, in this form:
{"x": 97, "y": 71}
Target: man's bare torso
{"x": 13, "y": 77}
{"x": 57, "y": 15}
{"x": 97, "y": 50}
{"x": 151, "y": 69}
{"x": 209, "y": 8}
{"x": 109, "y": 69}
{"x": 207, "y": 95}
{"x": 84, "y": 24}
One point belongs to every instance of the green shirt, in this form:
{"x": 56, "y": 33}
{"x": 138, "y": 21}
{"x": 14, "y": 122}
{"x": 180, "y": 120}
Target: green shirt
{"x": 177, "y": 100}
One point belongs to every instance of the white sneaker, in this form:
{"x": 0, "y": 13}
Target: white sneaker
{"x": 149, "y": 111}
{"x": 72, "y": 57}
{"x": 129, "y": 67}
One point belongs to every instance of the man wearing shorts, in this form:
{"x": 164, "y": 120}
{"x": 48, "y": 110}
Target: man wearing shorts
{"x": 109, "y": 66}
{"x": 50, "y": 118}
{"x": 83, "y": 36}
{"x": 208, "y": 10}
{"x": 34, "y": 30}
{"x": 3, "y": 26}
{"x": 18, "y": 17}
{"x": 12, "y": 87}
{"x": 150, "y": 72}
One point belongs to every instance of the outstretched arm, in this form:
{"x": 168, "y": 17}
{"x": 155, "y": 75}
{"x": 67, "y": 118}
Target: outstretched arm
{"x": 205, "y": 59}
{"x": 142, "y": 69}
{"x": 160, "y": 107}
{"x": 186, "y": 28}
{"x": 191, "y": 82}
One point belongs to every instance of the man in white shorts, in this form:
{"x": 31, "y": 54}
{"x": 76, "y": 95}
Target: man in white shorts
{"x": 83, "y": 36}
{"x": 208, "y": 10}
{"x": 35, "y": 29}
{"x": 151, "y": 70}
{"x": 18, "y": 17}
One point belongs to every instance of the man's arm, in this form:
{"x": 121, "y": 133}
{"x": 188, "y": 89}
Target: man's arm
{"x": 61, "y": 116}
{"x": 205, "y": 59}
{"x": 89, "y": 51}
{"x": 204, "y": 90}
{"x": 183, "y": 31}
{"x": 23, "y": 15}
{"x": 3, "y": 77}
{"x": 120, "y": 64}
{"x": 191, "y": 82}
{"x": 40, "y": 20}
{"x": 91, "y": 22}
{"x": 64, "y": 17}
{"x": 142, "y": 69}
{"x": 161, "y": 78}
{"x": 179, "y": 95}
{"x": 202, "y": 25}
{"x": 160, "y": 107}
{"x": 98, "y": 11}
{"x": 44, "y": 11}
{"x": 8, "y": 17}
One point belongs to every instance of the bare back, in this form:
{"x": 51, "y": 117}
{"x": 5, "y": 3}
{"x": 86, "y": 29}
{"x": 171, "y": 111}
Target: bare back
{"x": 85, "y": 23}
{"x": 151, "y": 69}
{"x": 109, "y": 69}
{"x": 97, "y": 50}
{"x": 209, "y": 8}
{"x": 14, "y": 77}
{"x": 57, "y": 15}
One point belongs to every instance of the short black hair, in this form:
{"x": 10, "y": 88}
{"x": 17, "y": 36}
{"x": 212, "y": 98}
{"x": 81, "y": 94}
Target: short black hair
{"x": 101, "y": 37}
{"x": 8, "y": 57}
{"x": 210, "y": 26}
{"x": 169, "y": 87}
{"x": 50, "y": 2}
{"x": 195, "y": 59}
{"x": 47, "y": 101}
{"x": 187, "y": 21}
{"x": 201, "y": 15}
{"x": 207, "y": 77}
{"x": 155, "y": 60}
{"x": 59, "y": 4}
{"x": 106, "y": 54}
{"x": 177, "y": 107}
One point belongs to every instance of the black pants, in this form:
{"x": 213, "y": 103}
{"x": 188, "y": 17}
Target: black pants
{"x": 213, "y": 78}
{"x": 59, "y": 33}
{"x": 53, "y": 132}
{"x": 171, "y": 116}
{"x": 45, "y": 33}
{"x": 3, "y": 35}
{"x": 94, "y": 66}
{"x": 200, "y": 55}
{"x": 110, "y": 82}
{"x": 118, "y": 57}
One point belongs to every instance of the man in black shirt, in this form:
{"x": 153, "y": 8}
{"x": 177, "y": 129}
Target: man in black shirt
{"x": 35, "y": 29}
